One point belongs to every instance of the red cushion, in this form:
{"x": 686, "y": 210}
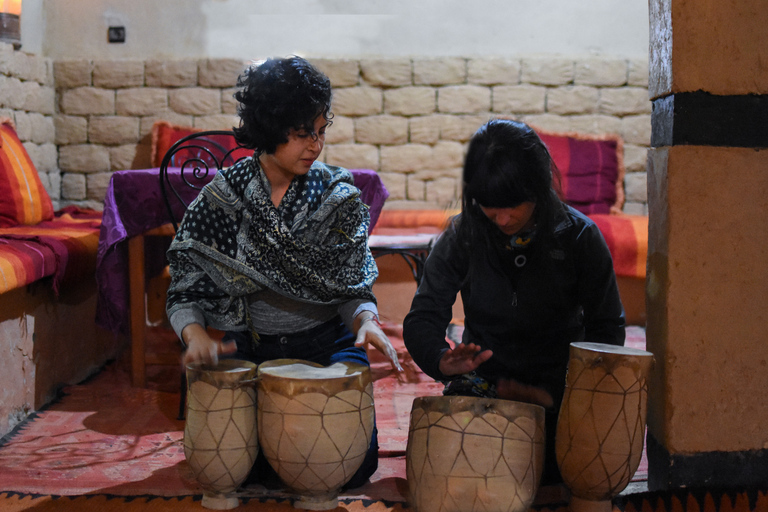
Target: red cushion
{"x": 23, "y": 199}
{"x": 165, "y": 135}
{"x": 591, "y": 170}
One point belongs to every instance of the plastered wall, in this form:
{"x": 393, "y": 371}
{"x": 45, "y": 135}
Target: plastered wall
{"x": 707, "y": 286}
{"x": 335, "y": 28}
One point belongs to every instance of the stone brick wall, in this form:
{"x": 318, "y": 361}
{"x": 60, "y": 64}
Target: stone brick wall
{"x": 408, "y": 118}
{"x": 27, "y": 96}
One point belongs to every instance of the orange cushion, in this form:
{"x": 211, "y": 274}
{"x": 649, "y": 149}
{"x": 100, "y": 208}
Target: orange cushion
{"x": 591, "y": 170}
{"x": 415, "y": 218}
{"x": 23, "y": 199}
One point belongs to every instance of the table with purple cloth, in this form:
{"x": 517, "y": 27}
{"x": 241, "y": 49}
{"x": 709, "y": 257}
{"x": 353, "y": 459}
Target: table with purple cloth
{"x": 134, "y": 206}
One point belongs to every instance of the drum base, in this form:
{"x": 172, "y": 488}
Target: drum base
{"x": 326, "y": 502}
{"x": 581, "y": 505}
{"x": 220, "y": 502}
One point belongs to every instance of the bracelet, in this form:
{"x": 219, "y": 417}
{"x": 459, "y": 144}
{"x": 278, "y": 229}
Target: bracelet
{"x": 372, "y": 318}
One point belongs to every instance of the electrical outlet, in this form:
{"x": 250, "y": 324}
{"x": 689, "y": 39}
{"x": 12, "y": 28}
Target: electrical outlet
{"x": 116, "y": 34}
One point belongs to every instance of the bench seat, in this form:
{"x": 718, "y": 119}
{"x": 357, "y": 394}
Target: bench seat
{"x": 63, "y": 249}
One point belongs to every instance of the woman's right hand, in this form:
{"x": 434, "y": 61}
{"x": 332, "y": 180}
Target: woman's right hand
{"x": 463, "y": 358}
{"x": 201, "y": 348}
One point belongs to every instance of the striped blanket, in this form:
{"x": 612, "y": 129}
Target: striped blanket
{"x": 626, "y": 235}
{"x": 64, "y": 248}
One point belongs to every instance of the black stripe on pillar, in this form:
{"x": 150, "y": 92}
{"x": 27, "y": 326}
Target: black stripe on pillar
{"x": 703, "y": 119}
{"x": 705, "y": 470}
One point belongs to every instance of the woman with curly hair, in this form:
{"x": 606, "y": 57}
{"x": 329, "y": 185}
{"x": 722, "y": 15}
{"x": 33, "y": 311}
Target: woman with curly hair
{"x": 274, "y": 250}
{"x": 533, "y": 273}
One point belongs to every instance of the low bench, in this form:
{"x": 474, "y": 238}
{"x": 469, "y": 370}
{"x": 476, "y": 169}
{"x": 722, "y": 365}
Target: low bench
{"x": 48, "y": 335}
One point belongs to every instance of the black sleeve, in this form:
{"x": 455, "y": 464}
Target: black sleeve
{"x": 432, "y": 308}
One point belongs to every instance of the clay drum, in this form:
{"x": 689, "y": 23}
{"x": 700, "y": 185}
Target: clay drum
{"x": 474, "y": 454}
{"x": 315, "y": 425}
{"x": 601, "y": 426}
{"x": 220, "y": 439}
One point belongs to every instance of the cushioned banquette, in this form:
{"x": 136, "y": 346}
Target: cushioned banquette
{"x": 47, "y": 289}
{"x": 591, "y": 179}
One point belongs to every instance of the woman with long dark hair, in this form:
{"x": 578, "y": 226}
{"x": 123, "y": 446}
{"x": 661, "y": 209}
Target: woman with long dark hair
{"x": 534, "y": 276}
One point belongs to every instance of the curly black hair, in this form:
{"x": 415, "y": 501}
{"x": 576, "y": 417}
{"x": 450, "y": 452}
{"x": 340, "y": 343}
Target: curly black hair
{"x": 277, "y": 96}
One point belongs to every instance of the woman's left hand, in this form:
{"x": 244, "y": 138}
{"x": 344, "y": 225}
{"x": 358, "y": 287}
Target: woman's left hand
{"x": 369, "y": 331}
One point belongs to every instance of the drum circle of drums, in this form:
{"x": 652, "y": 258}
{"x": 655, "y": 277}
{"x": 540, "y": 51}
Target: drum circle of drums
{"x": 220, "y": 439}
{"x": 315, "y": 425}
{"x": 601, "y": 426}
{"x": 474, "y": 454}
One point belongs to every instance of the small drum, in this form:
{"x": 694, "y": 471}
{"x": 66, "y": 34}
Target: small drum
{"x": 601, "y": 425}
{"x": 220, "y": 440}
{"x": 474, "y": 454}
{"x": 315, "y": 425}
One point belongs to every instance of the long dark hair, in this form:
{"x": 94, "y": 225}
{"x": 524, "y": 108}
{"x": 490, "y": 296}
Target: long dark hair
{"x": 277, "y": 96}
{"x": 506, "y": 165}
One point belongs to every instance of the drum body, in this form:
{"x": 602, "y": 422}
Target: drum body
{"x": 315, "y": 425}
{"x": 474, "y": 454}
{"x": 220, "y": 438}
{"x": 601, "y": 427}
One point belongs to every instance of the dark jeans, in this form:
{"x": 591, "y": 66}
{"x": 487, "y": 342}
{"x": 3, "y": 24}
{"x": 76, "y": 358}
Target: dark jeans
{"x": 325, "y": 344}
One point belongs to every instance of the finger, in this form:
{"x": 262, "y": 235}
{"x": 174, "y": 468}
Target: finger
{"x": 483, "y": 356}
{"x": 381, "y": 342}
{"x": 213, "y": 354}
{"x": 360, "y": 340}
{"x": 227, "y": 347}
{"x": 189, "y": 357}
{"x": 394, "y": 358}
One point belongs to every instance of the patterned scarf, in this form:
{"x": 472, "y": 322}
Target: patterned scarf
{"x": 233, "y": 242}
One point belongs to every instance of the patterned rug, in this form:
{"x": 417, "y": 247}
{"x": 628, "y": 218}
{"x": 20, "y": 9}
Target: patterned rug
{"x": 678, "y": 501}
{"x": 105, "y": 445}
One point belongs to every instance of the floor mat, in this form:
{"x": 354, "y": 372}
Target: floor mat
{"x": 104, "y": 437}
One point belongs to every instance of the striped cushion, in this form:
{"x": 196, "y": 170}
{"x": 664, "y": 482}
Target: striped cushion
{"x": 23, "y": 199}
{"x": 627, "y": 239}
{"x": 591, "y": 170}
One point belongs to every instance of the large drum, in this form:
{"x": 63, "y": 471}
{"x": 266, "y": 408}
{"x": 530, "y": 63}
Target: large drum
{"x": 220, "y": 439}
{"x": 601, "y": 426}
{"x": 315, "y": 425}
{"x": 474, "y": 454}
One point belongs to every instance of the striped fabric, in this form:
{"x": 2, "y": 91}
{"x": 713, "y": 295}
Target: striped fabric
{"x": 23, "y": 199}
{"x": 64, "y": 247}
{"x": 627, "y": 239}
{"x": 625, "y": 235}
{"x": 591, "y": 170}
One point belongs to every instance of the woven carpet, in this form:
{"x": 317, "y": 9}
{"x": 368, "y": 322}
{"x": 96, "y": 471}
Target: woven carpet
{"x": 104, "y": 445}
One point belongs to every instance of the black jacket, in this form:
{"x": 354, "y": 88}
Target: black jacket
{"x": 528, "y": 315}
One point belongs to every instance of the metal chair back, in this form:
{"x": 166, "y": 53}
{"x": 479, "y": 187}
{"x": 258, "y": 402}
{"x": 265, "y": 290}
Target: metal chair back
{"x": 191, "y": 163}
